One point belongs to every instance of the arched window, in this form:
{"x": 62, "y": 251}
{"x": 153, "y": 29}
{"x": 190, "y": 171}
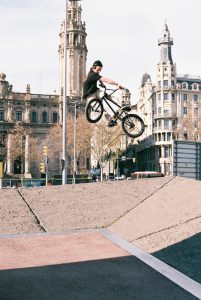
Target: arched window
{"x": 184, "y": 85}
{"x": 195, "y": 86}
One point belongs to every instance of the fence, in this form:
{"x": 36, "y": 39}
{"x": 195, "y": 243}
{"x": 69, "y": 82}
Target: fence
{"x": 187, "y": 159}
{"x": 17, "y": 182}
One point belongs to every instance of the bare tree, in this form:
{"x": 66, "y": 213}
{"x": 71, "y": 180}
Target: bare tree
{"x": 105, "y": 140}
{"x": 83, "y": 139}
{"x": 17, "y": 141}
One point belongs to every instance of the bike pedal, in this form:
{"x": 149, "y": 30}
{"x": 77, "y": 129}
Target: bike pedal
{"x": 112, "y": 123}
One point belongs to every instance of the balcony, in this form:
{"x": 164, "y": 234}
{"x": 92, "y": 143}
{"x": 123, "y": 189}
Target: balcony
{"x": 165, "y": 88}
{"x": 165, "y": 116}
{"x": 165, "y": 40}
{"x": 160, "y": 129}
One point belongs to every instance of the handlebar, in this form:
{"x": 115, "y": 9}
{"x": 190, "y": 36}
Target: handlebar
{"x": 104, "y": 87}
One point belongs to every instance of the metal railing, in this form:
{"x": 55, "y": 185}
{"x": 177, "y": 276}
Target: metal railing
{"x": 38, "y": 182}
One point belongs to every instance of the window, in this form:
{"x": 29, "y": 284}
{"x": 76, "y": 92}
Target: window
{"x": 185, "y": 110}
{"x": 44, "y": 117}
{"x": 166, "y": 112}
{"x": 165, "y": 96}
{"x": 34, "y": 117}
{"x": 173, "y": 97}
{"x": 166, "y": 123}
{"x": 196, "y": 111}
{"x": 172, "y": 83}
{"x": 185, "y": 97}
{"x": 167, "y": 152}
{"x": 195, "y": 124}
{"x": 184, "y": 85}
{"x": 195, "y": 98}
{"x": 1, "y": 115}
{"x": 54, "y": 117}
{"x": 18, "y": 115}
{"x": 165, "y": 83}
{"x": 174, "y": 122}
{"x": 159, "y": 83}
{"x": 168, "y": 136}
{"x": 195, "y": 86}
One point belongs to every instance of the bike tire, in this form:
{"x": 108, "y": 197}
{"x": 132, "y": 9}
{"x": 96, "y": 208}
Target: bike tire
{"x": 132, "y": 125}
{"x": 94, "y": 110}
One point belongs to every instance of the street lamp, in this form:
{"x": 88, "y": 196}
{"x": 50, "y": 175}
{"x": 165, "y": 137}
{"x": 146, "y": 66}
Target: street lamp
{"x": 64, "y": 156}
{"x": 74, "y": 141}
{"x": 64, "y": 152}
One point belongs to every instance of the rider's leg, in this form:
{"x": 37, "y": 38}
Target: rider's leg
{"x": 113, "y": 119}
{"x": 97, "y": 95}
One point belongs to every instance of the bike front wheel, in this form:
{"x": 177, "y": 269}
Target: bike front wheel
{"x": 94, "y": 110}
{"x": 132, "y": 125}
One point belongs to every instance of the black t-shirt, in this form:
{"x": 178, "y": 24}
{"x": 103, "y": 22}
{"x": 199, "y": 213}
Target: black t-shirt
{"x": 90, "y": 84}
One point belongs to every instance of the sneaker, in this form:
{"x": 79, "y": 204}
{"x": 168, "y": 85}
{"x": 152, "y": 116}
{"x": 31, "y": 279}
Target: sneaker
{"x": 112, "y": 123}
{"x": 126, "y": 108}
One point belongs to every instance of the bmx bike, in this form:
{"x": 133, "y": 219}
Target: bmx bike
{"x": 132, "y": 124}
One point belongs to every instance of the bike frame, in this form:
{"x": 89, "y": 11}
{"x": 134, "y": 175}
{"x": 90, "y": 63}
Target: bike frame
{"x": 107, "y": 100}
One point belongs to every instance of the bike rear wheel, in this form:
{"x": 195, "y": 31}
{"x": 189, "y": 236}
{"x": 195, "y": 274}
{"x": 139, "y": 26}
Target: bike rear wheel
{"x": 94, "y": 110}
{"x": 132, "y": 125}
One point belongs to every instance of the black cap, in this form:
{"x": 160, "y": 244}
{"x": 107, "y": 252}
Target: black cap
{"x": 97, "y": 63}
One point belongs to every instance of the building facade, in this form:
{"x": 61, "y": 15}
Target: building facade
{"x": 37, "y": 112}
{"x": 40, "y": 112}
{"x": 170, "y": 109}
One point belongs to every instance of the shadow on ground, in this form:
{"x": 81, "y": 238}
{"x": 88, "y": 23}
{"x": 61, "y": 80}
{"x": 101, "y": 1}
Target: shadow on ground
{"x": 184, "y": 256}
{"x": 114, "y": 278}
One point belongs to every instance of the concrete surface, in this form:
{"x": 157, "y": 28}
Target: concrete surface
{"x": 79, "y": 265}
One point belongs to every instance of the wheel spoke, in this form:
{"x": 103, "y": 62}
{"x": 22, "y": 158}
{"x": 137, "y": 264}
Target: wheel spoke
{"x": 94, "y": 110}
{"x": 133, "y": 125}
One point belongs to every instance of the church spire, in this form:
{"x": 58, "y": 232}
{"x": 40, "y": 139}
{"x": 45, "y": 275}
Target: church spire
{"x": 165, "y": 42}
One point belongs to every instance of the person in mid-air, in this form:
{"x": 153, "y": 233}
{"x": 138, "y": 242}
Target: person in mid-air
{"x": 90, "y": 88}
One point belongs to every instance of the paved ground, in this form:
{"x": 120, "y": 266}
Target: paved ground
{"x": 161, "y": 216}
{"x": 79, "y": 265}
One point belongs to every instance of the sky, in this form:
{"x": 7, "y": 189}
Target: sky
{"x": 122, "y": 34}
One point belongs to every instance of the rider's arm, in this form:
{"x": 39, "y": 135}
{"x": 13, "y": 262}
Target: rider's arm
{"x": 110, "y": 81}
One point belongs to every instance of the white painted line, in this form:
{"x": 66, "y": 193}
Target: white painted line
{"x": 188, "y": 284}
{"x": 38, "y": 234}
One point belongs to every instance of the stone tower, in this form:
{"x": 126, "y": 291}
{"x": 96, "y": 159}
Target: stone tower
{"x": 165, "y": 106}
{"x": 76, "y": 51}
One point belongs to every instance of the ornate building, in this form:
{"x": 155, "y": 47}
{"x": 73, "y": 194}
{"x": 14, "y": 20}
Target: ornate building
{"x": 38, "y": 111}
{"x": 170, "y": 109}
{"x": 76, "y": 51}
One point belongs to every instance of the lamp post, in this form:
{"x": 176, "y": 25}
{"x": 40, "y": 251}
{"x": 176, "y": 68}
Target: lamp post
{"x": 64, "y": 155}
{"x": 64, "y": 138}
{"x": 74, "y": 142}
